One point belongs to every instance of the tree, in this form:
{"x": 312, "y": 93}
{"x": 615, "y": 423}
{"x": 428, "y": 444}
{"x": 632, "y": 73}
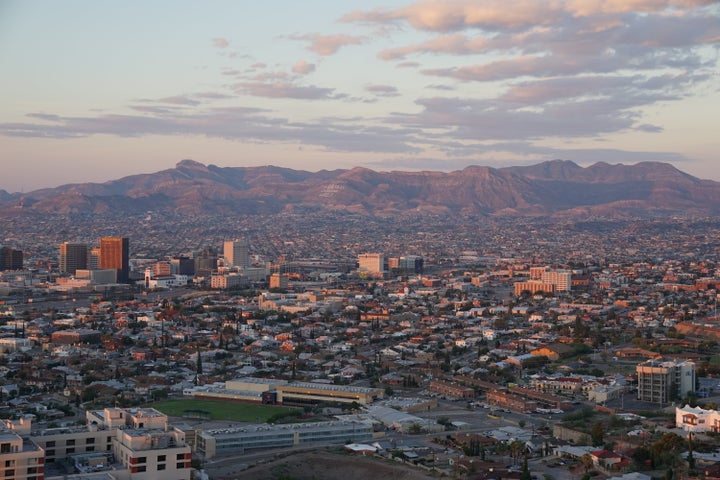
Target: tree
{"x": 517, "y": 450}
{"x": 597, "y": 434}
{"x": 665, "y": 450}
{"x": 587, "y": 461}
{"x": 525, "y": 475}
{"x": 415, "y": 428}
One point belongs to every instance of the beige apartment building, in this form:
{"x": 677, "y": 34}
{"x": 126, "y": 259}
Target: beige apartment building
{"x": 128, "y": 444}
{"x": 661, "y": 381}
{"x": 19, "y": 458}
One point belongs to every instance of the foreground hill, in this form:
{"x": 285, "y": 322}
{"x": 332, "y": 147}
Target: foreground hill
{"x": 556, "y": 188}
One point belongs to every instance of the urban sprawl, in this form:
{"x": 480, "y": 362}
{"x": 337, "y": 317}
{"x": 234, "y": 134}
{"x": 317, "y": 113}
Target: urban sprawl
{"x": 467, "y": 348}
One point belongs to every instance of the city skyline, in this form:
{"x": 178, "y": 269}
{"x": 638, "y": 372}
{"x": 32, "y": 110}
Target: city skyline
{"x": 96, "y": 91}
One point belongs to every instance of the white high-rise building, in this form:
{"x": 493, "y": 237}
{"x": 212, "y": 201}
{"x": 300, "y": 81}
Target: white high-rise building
{"x": 237, "y": 253}
{"x": 662, "y": 381}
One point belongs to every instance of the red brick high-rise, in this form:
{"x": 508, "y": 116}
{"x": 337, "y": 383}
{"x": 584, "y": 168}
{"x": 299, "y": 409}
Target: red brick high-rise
{"x": 115, "y": 254}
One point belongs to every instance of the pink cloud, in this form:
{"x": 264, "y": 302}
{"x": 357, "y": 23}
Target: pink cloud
{"x": 456, "y": 15}
{"x": 582, "y": 8}
{"x": 457, "y": 44}
{"x": 328, "y": 44}
{"x": 220, "y": 42}
{"x": 302, "y": 67}
{"x": 496, "y": 15}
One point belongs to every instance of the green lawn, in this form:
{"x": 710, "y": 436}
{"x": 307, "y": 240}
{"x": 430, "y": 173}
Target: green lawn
{"x": 219, "y": 410}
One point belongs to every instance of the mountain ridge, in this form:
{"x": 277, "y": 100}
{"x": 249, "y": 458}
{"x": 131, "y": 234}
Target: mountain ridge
{"x": 553, "y": 188}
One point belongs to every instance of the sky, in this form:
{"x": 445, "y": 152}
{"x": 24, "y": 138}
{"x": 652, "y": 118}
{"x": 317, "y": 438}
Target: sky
{"x": 94, "y": 90}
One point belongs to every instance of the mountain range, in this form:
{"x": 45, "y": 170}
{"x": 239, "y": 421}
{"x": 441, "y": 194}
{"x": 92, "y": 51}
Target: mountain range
{"x": 556, "y": 188}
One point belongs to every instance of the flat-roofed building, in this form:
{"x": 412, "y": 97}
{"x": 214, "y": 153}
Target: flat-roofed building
{"x": 11, "y": 259}
{"x": 61, "y": 442}
{"x": 139, "y": 440}
{"x": 449, "y": 389}
{"x": 372, "y": 264}
{"x": 237, "y": 441}
{"x": 115, "y": 254}
{"x": 19, "y": 457}
{"x": 73, "y": 256}
{"x": 307, "y": 393}
{"x": 661, "y": 381}
{"x": 98, "y": 277}
{"x": 226, "y": 281}
{"x": 562, "y": 279}
{"x": 237, "y": 253}
{"x": 75, "y": 337}
{"x": 153, "y": 454}
{"x": 278, "y": 280}
{"x": 532, "y": 287}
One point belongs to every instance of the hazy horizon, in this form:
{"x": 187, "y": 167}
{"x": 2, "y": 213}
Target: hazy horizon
{"x": 96, "y": 91}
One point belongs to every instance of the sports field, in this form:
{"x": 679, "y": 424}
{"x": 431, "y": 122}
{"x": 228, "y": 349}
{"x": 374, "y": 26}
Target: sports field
{"x": 219, "y": 410}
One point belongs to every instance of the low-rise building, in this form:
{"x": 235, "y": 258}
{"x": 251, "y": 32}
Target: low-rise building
{"x": 236, "y": 441}
{"x": 696, "y": 419}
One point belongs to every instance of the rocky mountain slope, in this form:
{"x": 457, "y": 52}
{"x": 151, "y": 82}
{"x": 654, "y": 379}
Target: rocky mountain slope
{"x": 557, "y": 188}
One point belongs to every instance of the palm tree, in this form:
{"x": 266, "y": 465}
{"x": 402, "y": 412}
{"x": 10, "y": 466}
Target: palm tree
{"x": 517, "y": 450}
{"x": 587, "y": 462}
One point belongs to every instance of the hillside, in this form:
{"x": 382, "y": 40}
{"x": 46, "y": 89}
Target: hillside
{"x": 555, "y": 188}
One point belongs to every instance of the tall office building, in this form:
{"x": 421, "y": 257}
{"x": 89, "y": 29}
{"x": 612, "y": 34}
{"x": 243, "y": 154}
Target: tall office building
{"x": 73, "y": 256}
{"x": 182, "y": 265}
{"x": 115, "y": 254}
{"x": 94, "y": 259}
{"x": 205, "y": 262}
{"x": 11, "y": 259}
{"x": 237, "y": 253}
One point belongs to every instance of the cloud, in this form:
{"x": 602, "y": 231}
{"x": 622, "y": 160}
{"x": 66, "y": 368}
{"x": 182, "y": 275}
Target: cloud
{"x": 328, "y": 44}
{"x": 45, "y": 116}
{"x": 408, "y": 65}
{"x": 499, "y": 155}
{"x": 285, "y": 90}
{"x": 527, "y": 38}
{"x": 302, "y": 67}
{"x": 220, "y": 42}
{"x": 447, "y": 88}
{"x": 179, "y": 100}
{"x": 231, "y": 123}
{"x": 448, "y": 16}
{"x": 507, "y": 76}
{"x": 213, "y": 95}
{"x": 503, "y": 15}
{"x": 383, "y": 90}
{"x": 463, "y": 120}
{"x": 188, "y": 100}
{"x": 457, "y": 44}
{"x": 594, "y": 7}
{"x": 565, "y": 89}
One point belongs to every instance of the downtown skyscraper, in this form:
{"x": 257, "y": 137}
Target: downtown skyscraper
{"x": 115, "y": 254}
